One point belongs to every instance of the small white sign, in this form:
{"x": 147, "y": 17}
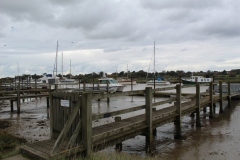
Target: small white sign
{"x": 65, "y": 103}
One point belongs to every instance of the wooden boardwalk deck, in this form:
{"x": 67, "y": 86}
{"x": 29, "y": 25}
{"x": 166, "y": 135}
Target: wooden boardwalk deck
{"x": 74, "y": 133}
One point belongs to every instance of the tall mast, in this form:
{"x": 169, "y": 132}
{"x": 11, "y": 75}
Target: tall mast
{"x": 55, "y": 67}
{"x": 127, "y": 71}
{"x": 70, "y": 66}
{"x": 154, "y": 60}
{"x": 62, "y": 64}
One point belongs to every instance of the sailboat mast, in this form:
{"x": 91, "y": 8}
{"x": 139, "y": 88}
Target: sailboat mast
{"x": 70, "y": 66}
{"x": 127, "y": 71}
{"x": 56, "y": 59}
{"x": 62, "y": 64}
{"x": 154, "y": 60}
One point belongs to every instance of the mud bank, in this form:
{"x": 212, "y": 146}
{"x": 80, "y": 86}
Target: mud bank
{"x": 218, "y": 138}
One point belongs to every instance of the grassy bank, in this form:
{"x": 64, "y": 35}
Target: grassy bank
{"x": 9, "y": 144}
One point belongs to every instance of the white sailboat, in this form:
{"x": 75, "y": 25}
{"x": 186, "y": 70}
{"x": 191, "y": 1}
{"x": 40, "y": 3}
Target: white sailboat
{"x": 157, "y": 80}
{"x": 127, "y": 81}
{"x": 65, "y": 79}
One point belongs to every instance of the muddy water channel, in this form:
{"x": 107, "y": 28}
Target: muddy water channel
{"x": 218, "y": 138}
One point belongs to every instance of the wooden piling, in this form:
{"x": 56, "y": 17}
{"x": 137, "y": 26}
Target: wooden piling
{"x": 18, "y": 98}
{"x": 178, "y": 120}
{"x": 107, "y": 91}
{"x": 11, "y": 101}
{"x": 148, "y": 117}
{"x": 211, "y": 100}
{"x": 118, "y": 146}
{"x": 229, "y": 94}
{"x": 87, "y": 122}
{"x": 154, "y": 129}
{"x": 84, "y": 87}
{"x": 198, "y": 109}
{"x": 221, "y": 97}
{"x": 48, "y": 102}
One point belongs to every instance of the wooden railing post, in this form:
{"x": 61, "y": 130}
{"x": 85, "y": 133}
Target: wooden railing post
{"x": 86, "y": 114}
{"x": 221, "y": 97}
{"x": 84, "y": 87}
{"x": 56, "y": 87}
{"x": 229, "y": 94}
{"x": 211, "y": 100}
{"x": 119, "y": 145}
{"x": 198, "y": 122}
{"x": 18, "y": 98}
{"x": 148, "y": 117}
{"x": 107, "y": 91}
{"x": 47, "y": 102}
{"x": 11, "y": 105}
{"x": 178, "y": 120}
{"x": 51, "y": 114}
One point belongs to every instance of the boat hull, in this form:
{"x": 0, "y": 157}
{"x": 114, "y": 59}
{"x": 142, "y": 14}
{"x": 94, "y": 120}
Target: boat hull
{"x": 192, "y": 82}
{"x": 159, "y": 83}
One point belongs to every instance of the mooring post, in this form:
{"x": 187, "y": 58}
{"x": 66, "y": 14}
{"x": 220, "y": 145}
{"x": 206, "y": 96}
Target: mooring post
{"x": 148, "y": 117}
{"x": 154, "y": 129}
{"x": 229, "y": 94}
{"x": 107, "y": 91}
{"x": 211, "y": 100}
{"x": 221, "y": 97}
{"x": 56, "y": 87}
{"x": 51, "y": 115}
{"x": 198, "y": 109}
{"x": 48, "y": 102}
{"x": 119, "y": 145}
{"x": 23, "y": 98}
{"x": 178, "y": 120}
{"x": 18, "y": 98}
{"x": 84, "y": 87}
{"x": 79, "y": 83}
{"x": 11, "y": 105}
{"x": 86, "y": 115}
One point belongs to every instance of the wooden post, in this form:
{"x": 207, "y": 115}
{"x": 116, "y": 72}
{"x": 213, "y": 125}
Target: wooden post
{"x": 154, "y": 129}
{"x": 56, "y": 87}
{"x": 51, "y": 115}
{"x": 198, "y": 122}
{"x": 148, "y": 117}
{"x": 79, "y": 84}
{"x": 221, "y": 97}
{"x": 18, "y": 98}
{"x": 11, "y": 105}
{"x": 178, "y": 121}
{"x": 84, "y": 87}
{"x": 107, "y": 91}
{"x": 119, "y": 145}
{"x": 86, "y": 115}
{"x": 35, "y": 81}
{"x": 23, "y": 100}
{"x": 48, "y": 102}
{"x": 211, "y": 100}
{"x": 229, "y": 94}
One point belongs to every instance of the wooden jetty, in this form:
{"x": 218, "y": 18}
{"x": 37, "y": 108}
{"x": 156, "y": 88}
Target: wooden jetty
{"x": 71, "y": 126}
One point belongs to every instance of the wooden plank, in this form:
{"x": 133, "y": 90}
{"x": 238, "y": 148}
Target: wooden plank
{"x": 33, "y": 152}
{"x": 74, "y": 135}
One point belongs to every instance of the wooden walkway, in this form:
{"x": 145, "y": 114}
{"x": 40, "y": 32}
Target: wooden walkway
{"x": 73, "y": 132}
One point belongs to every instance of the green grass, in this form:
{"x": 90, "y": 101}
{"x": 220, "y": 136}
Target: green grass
{"x": 9, "y": 144}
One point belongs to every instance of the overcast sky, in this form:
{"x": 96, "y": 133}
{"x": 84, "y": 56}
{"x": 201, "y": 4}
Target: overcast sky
{"x": 109, "y": 35}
